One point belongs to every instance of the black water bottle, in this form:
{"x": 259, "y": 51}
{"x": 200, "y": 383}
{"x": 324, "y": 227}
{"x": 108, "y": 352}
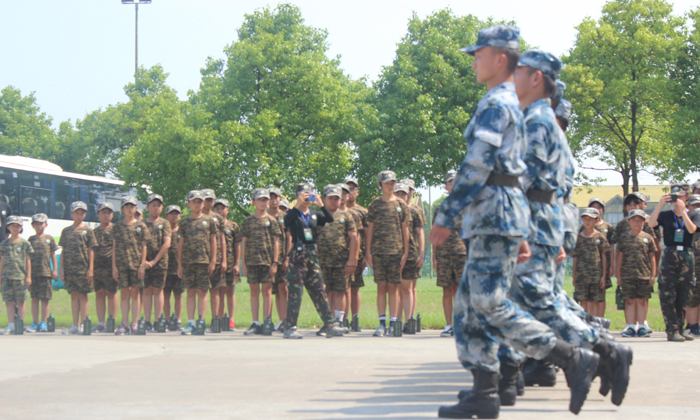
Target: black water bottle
{"x": 172, "y": 323}
{"x": 141, "y": 327}
{"x": 200, "y": 327}
{"x": 418, "y": 319}
{"x": 215, "y": 325}
{"x": 19, "y": 325}
{"x": 161, "y": 324}
{"x": 110, "y": 325}
{"x": 51, "y": 323}
{"x": 87, "y": 326}
{"x": 226, "y": 323}
{"x": 267, "y": 327}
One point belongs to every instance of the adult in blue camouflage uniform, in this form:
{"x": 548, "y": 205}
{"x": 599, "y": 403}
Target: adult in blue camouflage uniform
{"x": 486, "y": 194}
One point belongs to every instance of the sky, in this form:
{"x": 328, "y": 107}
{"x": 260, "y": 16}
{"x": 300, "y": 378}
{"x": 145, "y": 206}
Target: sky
{"x": 78, "y": 55}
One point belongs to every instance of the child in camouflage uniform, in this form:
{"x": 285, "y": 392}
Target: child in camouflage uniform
{"x": 357, "y": 281}
{"x": 44, "y": 268}
{"x": 692, "y": 314}
{"x": 590, "y": 264}
{"x": 279, "y": 284}
{"x": 105, "y": 285}
{"x": 157, "y": 255}
{"x": 173, "y": 282}
{"x": 635, "y": 271}
{"x": 15, "y": 271}
{"x": 218, "y": 277}
{"x": 416, "y": 249}
{"x": 232, "y": 234}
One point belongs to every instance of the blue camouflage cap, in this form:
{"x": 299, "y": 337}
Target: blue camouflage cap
{"x": 563, "y": 110}
{"x": 501, "y": 36}
{"x": 558, "y": 93}
{"x": 545, "y": 62}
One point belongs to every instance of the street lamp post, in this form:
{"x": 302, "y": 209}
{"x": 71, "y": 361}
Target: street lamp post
{"x": 136, "y": 35}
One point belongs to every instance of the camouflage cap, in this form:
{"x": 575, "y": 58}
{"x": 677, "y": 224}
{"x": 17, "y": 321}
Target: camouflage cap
{"x": 171, "y": 208}
{"x": 351, "y": 180}
{"x": 209, "y": 194}
{"x": 694, "y": 199}
{"x": 402, "y": 187}
{"x": 502, "y": 36}
{"x": 386, "y": 176}
{"x": 261, "y": 193}
{"x": 276, "y": 191}
{"x": 78, "y": 205}
{"x": 641, "y": 196}
{"x": 331, "y": 190}
{"x": 222, "y": 201}
{"x": 563, "y": 110}
{"x": 284, "y": 203}
{"x": 103, "y": 206}
{"x": 558, "y": 93}
{"x": 637, "y": 212}
{"x": 695, "y": 186}
{"x": 590, "y": 212}
{"x": 545, "y": 62}
{"x": 451, "y": 174}
{"x": 139, "y": 210}
{"x": 40, "y": 217}
{"x": 596, "y": 200}
{"x": 153, "y": 197}
{"x": 195, "y": 194}
{"x": 345, "y": 187}
{"x": 129, "y": 200}
{"x": 14, "y": 220}
{"x": 411, "y": 183}
{"x": 304, "y": 186}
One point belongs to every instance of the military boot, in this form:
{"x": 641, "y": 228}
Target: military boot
{"x": 520, "y": 383}
{"x": 684, "y": 334}
{"x": 481, "y": 401}
{"x": 672, "y": 334}
{"x": 507, "y": 385}
{"x": 579, "y": 367}
{"x": 539, "y": 372}
{"x": 617, "y": 365}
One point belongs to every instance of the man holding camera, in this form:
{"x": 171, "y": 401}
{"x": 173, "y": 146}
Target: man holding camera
{"x": 677, "y": 262}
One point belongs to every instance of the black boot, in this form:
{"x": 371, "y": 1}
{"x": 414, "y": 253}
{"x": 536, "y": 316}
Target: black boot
{"x": 507, "y": 385}
{"x": 520, "y": 383}
{"x": 615, "y": 362}
{"x": 481, "y": 401}
{"x": 579, "y": 367}
{"x": 539, "y": 372}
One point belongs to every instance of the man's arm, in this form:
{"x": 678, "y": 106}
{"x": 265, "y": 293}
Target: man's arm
{"x": 654, "y": 218}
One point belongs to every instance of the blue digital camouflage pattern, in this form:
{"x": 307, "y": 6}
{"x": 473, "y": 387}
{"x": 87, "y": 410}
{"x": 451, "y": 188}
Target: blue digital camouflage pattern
{"x": 563, "y": 110}
{"x": 484, "y": 316}
{"x": 570, "y": 211}
{"x": 495, "y": 143}
{"x": 545, "y": 62}
{"x": 558, "y": 93}
{"x": 502, "y": 36}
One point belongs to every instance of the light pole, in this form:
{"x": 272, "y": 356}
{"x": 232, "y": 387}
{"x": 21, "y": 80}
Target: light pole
{"x": 136, "y": 37}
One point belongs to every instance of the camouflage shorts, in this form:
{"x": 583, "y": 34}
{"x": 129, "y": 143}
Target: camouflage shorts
{"x": 589, "y": 292}
{"x": 77, "y": 282}
{"x": 41, "y": 288}
{"x": 14, "y": 291}
{"x": 280, "y": 276}
{"x": 636, "y": 289}
{"x": 386, "y": 268}
{"x": 173, "y": 284}
{"x": 450, "y": 269}
{"x": 335, "y": 279}
{"x": 155, "y": 277}
{"x": 217, "y": 279}
{"x": 103, "y": 279}
{"x": 356, "y": 280}
{"x": 196, "y": 276}
{"x": 410, "y": 270}
{"x": 231, "y": 279}
{"x": 258, "y": 274}
{"x": 129, "y": 278}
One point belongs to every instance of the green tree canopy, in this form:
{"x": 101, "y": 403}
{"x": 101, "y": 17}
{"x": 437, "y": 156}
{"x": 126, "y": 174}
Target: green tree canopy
{"x": 24, "y": 129}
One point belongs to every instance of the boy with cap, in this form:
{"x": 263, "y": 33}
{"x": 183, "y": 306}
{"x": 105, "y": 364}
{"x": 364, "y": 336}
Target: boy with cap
{"x": 232, "y": 234}
{"x": 590, "y": 263}
{"x": 495, "y": 219}
{"x": 196, "y": 257}
{"x": 387, "y": 248}
{"x": 635, "y": 271}
{"x": 417, "y": 238}
{"x": 156, "y": 259}
{"x": 337, "y": 251}
{"x": 173, "y": 282}
{"x": 15, "y": 271}
{"x": 448, "y": 260}
{"x": 44, "y": 268}
{"x": 260, "y": 245}
{"x": 77, "y": 263}
{"x": 138, "y": 215}
{"x": 356, "y": 280}
{"x": 357, "y": 219}
{"x": 218, "y": 277}
{"x": 677, "y": 261}
{"x": 279, "y": 285}
{"x": 302, "y": 264}
{"x": 416, "y": 249}
{"x": 105, "y": 285}
{"x": 129, "y": 250}
{"x": 692, "y": 315}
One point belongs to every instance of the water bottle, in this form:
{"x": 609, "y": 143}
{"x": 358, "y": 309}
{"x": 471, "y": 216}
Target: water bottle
{"x": 141, "y": 327}
{"x": 346, "y": 323}
{"x": 618, "y": 299}
{"x": 199, "y": 327}
{"x": 267, "y": 327}
{"x": 110, "y": 325}
{"x": 87, "y": 326}
{"x": 418, "y": 319}
{"x": 355, "y": 324}
{"x": 215, "y": 325}
{"x": 161, "y": 324}
{"x": 51, "y": 323}
{"x": 172, "y": 323}
{"x": 226, "y": 323}
{"x": 411, "y": 326}
{"x": 19, "y": 325}
{"x": 398, "y": 328}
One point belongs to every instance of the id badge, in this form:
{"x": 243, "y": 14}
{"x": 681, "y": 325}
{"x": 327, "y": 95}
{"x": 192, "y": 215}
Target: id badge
{"x": 678, "y": 236}
{"x": 308, "y": 235}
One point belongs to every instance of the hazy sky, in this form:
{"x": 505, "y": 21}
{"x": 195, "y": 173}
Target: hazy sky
{"x": 78, "y": 55}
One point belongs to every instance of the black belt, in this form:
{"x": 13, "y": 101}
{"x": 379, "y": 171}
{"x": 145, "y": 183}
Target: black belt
{"x": 502, "y": 180}
{"x": 540, "y": 196}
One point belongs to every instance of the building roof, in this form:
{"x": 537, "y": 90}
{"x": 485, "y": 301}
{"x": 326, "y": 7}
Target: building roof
{"x": 582, "y": 194}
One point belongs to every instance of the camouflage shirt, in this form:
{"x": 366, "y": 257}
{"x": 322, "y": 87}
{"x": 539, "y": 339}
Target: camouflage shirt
{"x": 280, "y": 220}
{"x": 360, "y": 216}
{"x": 75, "y": 243}
{"x": 635, "y": 255}
{"x": 233, "y": 236}
{"x": 417, "y": 222}
{"x": 454, "y": 245}
{"x": 158, "y": 231}
{"x": 333, "y": 240}
{"x": 220, "y": 225}
{"x": 260, "y": 237}
{"x": 388, "y": 217}
{"x": 196, "y": 234}
{"x": 15, "y": 255}
{"x": 623, "y": 227}
{"x": 128, "y": 240}
{"x": 103, "y": 250}
{"x": 172, "y": 251}
{"x": 589, "y": 253}
{"x": 44, "y": 247}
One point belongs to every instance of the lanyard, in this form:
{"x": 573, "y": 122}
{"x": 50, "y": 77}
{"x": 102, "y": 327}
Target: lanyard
{"x": 682, "y": 222}
{"x": 305, "y": 218}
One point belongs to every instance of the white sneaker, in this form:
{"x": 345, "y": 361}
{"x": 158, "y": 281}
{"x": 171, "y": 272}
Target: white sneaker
{"x": 380, "y": 331}
{"x": 646, "y": 325}
{"x": 72, "y": 330}
{"x": 449, "y": 332}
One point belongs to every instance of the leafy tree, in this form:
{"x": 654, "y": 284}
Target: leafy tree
{"x": 24, "y": 129}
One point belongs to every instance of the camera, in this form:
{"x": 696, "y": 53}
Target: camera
{"x": 674, "y": 197}
{"x": 311, "y": 198}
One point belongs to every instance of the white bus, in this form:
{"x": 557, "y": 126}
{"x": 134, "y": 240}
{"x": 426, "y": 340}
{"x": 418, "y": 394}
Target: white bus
{"x": 33, "y": 186}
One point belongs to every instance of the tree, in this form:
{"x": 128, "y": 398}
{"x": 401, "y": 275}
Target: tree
{"x": 618, "y": 82}
{"x": 24, "y": 129}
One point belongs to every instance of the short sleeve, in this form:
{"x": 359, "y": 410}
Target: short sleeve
{"x": 350, "y": 223}
{"x": 52, "y": 245}
{"x": 167, "y": 231}
{"x": 29, "y": 248}
{"x": 372, "y": 213}
{"x": 275, "y": 225}
{"x": 92, "y": 242}
{"x": 214, "y": 228}
{"x": 145, "y": 233}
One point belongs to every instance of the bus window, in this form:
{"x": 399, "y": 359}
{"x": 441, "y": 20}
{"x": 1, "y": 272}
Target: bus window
{"x": 35, "y": 200}
{"x": 61, "y": 198}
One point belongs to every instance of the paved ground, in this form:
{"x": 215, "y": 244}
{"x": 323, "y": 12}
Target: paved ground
{"x": 229, "y": 376}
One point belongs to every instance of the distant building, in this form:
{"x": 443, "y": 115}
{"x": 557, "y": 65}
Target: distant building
{"x": 612, "y": 195}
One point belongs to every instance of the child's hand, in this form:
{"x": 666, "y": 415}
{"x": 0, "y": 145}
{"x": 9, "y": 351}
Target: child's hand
{"x": 602, "y": 282}
{"x": 652, "y": 281}
{"x": 273, "y": 271}
{"x": 89, "y": 276}
{"x": 141, "y": 271}
{"x": 368, "y": 260}
{"x": 236, "y": 270}
{"x": 212, "y": 267}
{"x": 224, "y": 266}
{"x": 28, "y": 281}
{"x": 179, "y": 271}
{"x": 562, "y": 255}
{"x": 54, "y": 275}
{"x": 149, "y": 265}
